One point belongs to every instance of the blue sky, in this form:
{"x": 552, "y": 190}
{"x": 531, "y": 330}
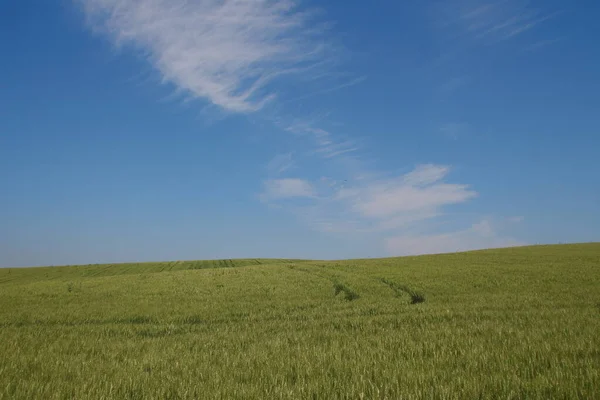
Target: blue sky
{"x": 166, "y": 130}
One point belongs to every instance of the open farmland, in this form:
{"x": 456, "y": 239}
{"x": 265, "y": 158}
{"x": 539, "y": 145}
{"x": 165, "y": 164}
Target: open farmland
{"x": 512, "y": 323}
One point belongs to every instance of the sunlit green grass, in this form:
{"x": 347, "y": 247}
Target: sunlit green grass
{"x": 514, "y": 323}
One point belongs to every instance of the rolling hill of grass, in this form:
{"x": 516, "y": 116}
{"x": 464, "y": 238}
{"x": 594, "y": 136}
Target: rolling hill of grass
{"x": 510, "y": 323}
{"x": 17, "y": 275}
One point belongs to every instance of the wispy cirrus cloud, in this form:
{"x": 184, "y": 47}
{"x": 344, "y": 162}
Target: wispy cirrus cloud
{"x": 380, "y": 205}
{"x": 227, "y": 52}
{"x": 236, "y": 54}
{"x": 421, "y": 190}
{"x": 463, "y": 27}
{"x": 277, "y": 189}
{"x": 280, "y": 163}
{"x": 326, "y": 144}
{"x": 490, "y": 21}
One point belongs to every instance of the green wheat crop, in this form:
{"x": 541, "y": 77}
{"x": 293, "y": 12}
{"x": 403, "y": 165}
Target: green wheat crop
{"x": 520, "y": 323}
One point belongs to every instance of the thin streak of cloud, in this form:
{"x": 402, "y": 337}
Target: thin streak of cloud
{"x": 425, "y": 174}
{"x": 280, "y": 163}
{"x": 329, "y": 149}
{"x": 491, "y": 21}
{"x": 277, "y": 189}
{"x": 336, "y": 153}
{"x": 227, "y": 52}
{"x": 344, "y": 85}
{"x": 542, "y": 44}
{"x": 326, "y": 145}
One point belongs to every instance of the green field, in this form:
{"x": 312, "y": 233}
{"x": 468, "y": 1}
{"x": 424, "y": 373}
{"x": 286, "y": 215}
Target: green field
{"x": 521, "y": 323}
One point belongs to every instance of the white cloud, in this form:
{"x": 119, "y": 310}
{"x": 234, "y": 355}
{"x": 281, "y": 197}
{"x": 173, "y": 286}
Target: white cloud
{"x": 227, "y": 51}
{"x": 491, "y": 20}
{"x": 377, "y": 205}
{"x": 425, "y": 174}
{"x": 287, "y": 188}
{"x": 479, "y": 236}
{"x": 280, "y": 163}
{"x": 332, "y": 150}
{"x": 483, "y": 228}
{"x": 325, "y": 144}
{"x": 413, "y": 193}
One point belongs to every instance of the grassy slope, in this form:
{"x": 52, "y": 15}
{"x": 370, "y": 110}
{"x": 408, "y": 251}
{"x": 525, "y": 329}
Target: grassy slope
{"x": 512, "y": 323}
{"x": 70, "y": 272}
